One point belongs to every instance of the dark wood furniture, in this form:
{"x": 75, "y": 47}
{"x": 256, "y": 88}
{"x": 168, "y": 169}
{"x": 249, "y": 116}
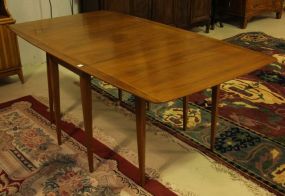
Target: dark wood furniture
{"x": 214, "y": 18}
{"x": 140, "y": 8}
{"x": 89, "y": 5}
{"x": 246, "y": 9}
{"x": 128, "y": 52}
{"x": 179, "y": 13}
{"x": 10, "y": 63}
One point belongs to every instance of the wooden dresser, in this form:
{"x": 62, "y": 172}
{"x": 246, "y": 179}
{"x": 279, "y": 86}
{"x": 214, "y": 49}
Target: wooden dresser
{"x": 10, "y": 62}
{"x": 179, "y": 13}
{"x": 246, "y": 9}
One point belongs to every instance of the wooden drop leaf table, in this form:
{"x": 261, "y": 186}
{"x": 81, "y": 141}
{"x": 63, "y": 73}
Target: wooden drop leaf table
{"x": 154, "y": 62}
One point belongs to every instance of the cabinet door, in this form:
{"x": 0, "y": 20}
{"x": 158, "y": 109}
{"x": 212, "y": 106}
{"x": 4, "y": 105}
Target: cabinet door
{"x": 233, "y": 7}
{"x": 182, "y": 13}
{"x": 122, "y": 6}
{"x": 9, "y": 53}
{"x": 236, "y": 7}
{"x": 87, "y": 5}
{"x": 260, "y": 5}
{"x": 200, "y": 11}
{"x": 141, "y": 8}
{"x": 163, "y": 11}
{"x": 2, "y": 8}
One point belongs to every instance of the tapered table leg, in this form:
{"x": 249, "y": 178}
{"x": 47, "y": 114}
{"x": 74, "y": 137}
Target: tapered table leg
{"x": 86, "y": 99}
{"x": 185, "y": 112}
{"x": 140, "y": 124}
{"x": 21, "y": 75}
{"x": 54, "y": 76}
{"x": 147, "y": 105}
{"x": 120, "y": 95}
{"x": 50, "y": 91}
{"x": 214, "y": 117}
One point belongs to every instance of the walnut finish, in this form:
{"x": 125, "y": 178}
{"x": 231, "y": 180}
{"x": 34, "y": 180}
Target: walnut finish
{"x": 10, "y": 63}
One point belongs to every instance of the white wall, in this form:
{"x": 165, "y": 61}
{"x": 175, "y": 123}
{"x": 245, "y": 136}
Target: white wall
{"x": 29, "y": 10}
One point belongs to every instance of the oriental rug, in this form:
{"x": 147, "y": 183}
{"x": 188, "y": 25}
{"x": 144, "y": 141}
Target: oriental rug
{"x": 251, "y": 129}
{"x": 31, "y": 162}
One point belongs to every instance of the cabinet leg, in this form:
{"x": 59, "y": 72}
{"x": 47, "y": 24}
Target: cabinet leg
{"x": 243, "y": 24}
{"x": 208, "y": 27}
{"x": 86, "y": 99}
{"x": 214, "y": 114}
{"x": 213, "y": 25}
{"x": 54, "y": 75}
{"x": 213, "y": 18}
{"x": 120, "y": 96}
{"x": 185, "y": 112}
{"x": 278, "y": 15}
{"x": 140, "y": 124}
{"x": 50, "y": 91}
{"x": 21, "y": 76}
{"x": 147, "y": 105}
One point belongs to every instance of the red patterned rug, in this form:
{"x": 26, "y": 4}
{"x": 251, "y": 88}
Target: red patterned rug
{"x": 32, "y": 163}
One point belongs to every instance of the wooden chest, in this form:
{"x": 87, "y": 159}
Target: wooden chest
{"x": 246, "y": 9}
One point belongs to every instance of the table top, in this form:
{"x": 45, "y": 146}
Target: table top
{"x": 153, "y": 61}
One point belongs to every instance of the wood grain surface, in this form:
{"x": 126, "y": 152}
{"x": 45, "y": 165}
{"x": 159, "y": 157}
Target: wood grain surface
{"x": 156, "y": 62}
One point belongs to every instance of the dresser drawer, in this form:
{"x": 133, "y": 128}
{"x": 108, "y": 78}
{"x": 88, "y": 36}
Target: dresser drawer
{"x": 263, "y": 4}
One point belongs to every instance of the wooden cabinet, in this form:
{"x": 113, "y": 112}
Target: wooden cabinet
{"x": 10, "y": 63}
{"x": 246, "y": 9}
{"x": 180, "y": 13}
